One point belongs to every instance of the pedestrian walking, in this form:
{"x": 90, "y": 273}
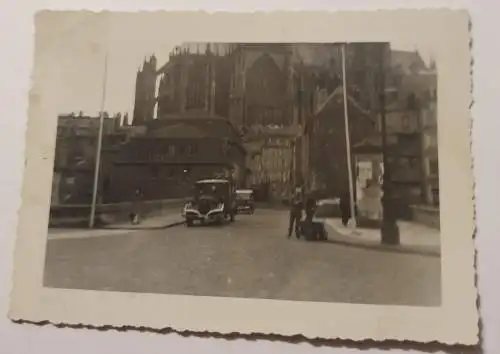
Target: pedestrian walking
{"x": 135, "y": 215}
{"x": 295, "y": 214}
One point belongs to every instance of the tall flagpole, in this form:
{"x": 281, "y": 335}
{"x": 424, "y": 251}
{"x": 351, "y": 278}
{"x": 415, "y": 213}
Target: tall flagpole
{"x": 99, "y": 145}
{"x": 348, "y": 140}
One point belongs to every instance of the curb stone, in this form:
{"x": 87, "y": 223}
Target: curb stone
{"x": 162, "y": 227}
{"x": 386, "y": 248}
{"x": 348, "y": 242}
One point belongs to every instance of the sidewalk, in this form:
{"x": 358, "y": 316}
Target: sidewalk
{"x": 155, "y": 222}
{"x": 152, "y": 223}
{"x": 414, "y": 238}
{"x": 65, "y": 234}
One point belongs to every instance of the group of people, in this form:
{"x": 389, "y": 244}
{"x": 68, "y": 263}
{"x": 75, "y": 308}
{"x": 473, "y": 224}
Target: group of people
{"x": 299, "y": 204}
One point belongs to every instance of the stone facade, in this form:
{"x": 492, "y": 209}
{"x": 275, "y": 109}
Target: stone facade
{"x": 174, "y": 154}
{"x": 145, "y": 92}
{"x": 273, "y": 91}
{"x": 430, "y": 158}
{"x": 271, "y": 166}
{"x": 80, "y": 124}
{"x": 411, "y": 152}
{"x": 259, "y": 85}
{"x": 324, "y": 141}
{"x": 194, "y": 81}
{"x": 74, "y": 166}
{"x": 404, "y": 132}
{"x": 75, "y": 156}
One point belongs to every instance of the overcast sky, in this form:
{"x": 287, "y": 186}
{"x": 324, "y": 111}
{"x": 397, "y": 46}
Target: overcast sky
{"x": 76, "y": 55}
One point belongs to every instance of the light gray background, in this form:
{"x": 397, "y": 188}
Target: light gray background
{"x": 16, "y": 53}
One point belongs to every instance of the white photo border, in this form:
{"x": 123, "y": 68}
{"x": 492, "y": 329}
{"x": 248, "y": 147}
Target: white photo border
{"x": 445, "y": 31}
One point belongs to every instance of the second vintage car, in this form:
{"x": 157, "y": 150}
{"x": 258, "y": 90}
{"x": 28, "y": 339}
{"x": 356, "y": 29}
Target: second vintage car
{"x": 244, "y": 201}
{"x": 213, "y": 202}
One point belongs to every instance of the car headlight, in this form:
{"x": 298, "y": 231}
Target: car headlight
{"x": 188, "y": 206}
{"x": 220, "y": 206}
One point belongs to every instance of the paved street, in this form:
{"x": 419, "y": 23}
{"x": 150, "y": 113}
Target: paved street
{"x": 250, "y": 258}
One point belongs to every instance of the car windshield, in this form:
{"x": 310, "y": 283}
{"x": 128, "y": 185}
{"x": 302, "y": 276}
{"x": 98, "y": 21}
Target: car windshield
{"x": 211, "y": 189}
{"x": 243, "y": 195}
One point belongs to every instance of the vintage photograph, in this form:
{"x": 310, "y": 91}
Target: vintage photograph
{"x": 292, "y": 171}
{"x": 258, "y": 170}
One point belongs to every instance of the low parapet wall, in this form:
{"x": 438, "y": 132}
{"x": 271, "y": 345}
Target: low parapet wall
{"x": 426, "y": 215}
{"x": 79, "y": 215}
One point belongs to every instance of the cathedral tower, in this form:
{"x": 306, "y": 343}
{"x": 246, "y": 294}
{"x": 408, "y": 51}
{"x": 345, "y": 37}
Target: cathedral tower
{"x": 145, "y": 92}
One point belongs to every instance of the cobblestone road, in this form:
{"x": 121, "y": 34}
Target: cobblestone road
{"x": 250, "y": 258}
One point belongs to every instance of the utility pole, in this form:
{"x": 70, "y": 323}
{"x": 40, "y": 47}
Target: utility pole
{"x": 390, "y": 229}
{"x": 299, "y": 137}
{"x": 348, "y": 140}
{"x": 99, "y": 146}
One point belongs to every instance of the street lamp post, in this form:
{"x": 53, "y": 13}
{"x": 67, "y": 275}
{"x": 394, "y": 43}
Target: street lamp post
{"x": 389, "y": 229}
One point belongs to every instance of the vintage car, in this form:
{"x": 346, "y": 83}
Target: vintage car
{"x": 244, "y": 201}
{"x": 213, "y": 202}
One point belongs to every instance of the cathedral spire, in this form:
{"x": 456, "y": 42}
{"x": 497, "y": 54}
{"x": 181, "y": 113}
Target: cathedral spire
{"x": 432, "y": 64}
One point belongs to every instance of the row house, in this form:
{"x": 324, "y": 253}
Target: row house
{"x": 411, "y": 149}
{"x": 430, "y": 163}
{"x": 75, "y": 156}
{"x": 74, "y": 167}
{"x": 270, "y": 162}
{"x": 80, "y": 124}
{"x": 174, "y": 154}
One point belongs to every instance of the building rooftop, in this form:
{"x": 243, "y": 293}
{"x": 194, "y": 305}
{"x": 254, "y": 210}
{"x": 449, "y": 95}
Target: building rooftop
{"x": 339, "y": 92}
{"x": 180, "y": 130}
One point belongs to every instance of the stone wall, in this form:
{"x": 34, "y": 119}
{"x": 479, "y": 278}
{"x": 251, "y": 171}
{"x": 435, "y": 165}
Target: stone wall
{"x": 78, "y": 215}
{"x": 426, "y": 215}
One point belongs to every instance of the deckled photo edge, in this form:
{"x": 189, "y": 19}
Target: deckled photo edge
{"x": 30, "y": 301}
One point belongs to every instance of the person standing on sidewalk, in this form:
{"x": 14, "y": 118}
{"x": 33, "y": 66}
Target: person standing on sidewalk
{"x": 136, "y": 207}
{"x": 345, "y": 208}
{"x": 296, "y": 207}
{"x": 310, "y": 208}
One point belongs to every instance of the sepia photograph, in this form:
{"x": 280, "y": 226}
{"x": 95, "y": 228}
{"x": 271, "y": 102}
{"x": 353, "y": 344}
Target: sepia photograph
{"x": 277, "y": 152}
{"x": 296, "y": 171}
